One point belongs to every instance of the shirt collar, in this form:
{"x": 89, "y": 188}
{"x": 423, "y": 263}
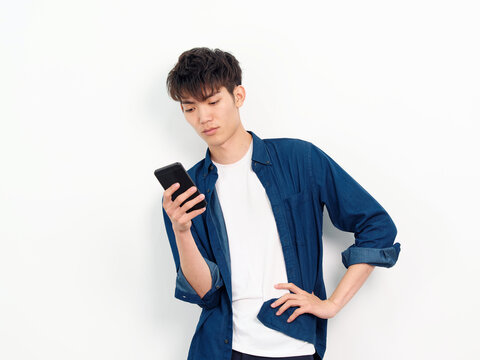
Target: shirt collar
{"x": 260, "y": 154}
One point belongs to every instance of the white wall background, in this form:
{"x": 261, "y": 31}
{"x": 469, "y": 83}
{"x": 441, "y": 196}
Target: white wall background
{"x": 389, "y": 89}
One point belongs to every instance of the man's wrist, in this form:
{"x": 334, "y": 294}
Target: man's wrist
{"x": 181, "y": 233}
{"x": 336, "y": 305}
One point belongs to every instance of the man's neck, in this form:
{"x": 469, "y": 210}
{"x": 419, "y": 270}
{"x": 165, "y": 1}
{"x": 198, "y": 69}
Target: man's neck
{"x": 233, "y": 149}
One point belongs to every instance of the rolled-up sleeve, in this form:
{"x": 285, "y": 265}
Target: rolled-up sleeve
{"x": 351, "y": 208}
{"x": 183, "y": 290}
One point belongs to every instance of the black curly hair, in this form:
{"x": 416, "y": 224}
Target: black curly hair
{"x": 200, "y": 72}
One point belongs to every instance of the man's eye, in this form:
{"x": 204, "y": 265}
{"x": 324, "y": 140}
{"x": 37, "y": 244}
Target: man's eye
{"x": 188, "y": 110}
{"x": 214, "y": 102}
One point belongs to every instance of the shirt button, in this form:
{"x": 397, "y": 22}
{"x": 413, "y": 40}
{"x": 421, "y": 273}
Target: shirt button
{"x": 184, "y": 296}
{"x": 226, "y": 341}
{"x": 211, "y": 167}
{"x": 268, "y": 184}
{"x": 208, "y": 190}
{"x": 218, "y": 286}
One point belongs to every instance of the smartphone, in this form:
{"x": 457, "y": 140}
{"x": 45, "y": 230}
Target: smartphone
{"x": 173, "y": 173}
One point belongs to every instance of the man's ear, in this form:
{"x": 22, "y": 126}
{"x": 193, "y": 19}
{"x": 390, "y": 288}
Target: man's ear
{"x": 239, "y": 95}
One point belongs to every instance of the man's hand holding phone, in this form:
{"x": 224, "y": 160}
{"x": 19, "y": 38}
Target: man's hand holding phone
{"x": 181, "y": 220}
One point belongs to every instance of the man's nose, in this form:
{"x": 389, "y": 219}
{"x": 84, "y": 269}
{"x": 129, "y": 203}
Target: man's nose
{"x": 204, "y": 114}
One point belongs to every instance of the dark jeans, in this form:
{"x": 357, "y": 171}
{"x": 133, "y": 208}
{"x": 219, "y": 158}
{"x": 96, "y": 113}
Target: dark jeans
{"x": 237, "y": 355}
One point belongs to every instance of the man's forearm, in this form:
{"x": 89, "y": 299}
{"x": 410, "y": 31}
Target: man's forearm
{"x": 352, "y": 281}
{"x": 194, "y": 266}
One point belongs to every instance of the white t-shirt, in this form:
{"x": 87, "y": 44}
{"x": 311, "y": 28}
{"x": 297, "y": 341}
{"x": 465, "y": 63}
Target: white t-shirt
{"x": 251, "y": 225}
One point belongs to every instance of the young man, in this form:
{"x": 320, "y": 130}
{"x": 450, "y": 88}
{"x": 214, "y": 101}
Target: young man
{"x": 252, "y": 258}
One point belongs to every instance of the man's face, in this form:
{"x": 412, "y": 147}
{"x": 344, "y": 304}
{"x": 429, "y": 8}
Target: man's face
{"x": 219, "y": 111}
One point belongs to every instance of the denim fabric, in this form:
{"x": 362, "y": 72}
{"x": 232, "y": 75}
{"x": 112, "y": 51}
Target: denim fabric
{"x": 300, "y": 180}
{"x": 184, "y": 291}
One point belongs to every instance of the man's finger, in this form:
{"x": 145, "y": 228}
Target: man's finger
{"x": 185, "y": 195}
{"x": 169, "y": 191}
{"x": 290, "y": 286}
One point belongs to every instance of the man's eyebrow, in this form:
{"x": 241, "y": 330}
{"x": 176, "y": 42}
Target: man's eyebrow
{"x": 208, "y": 96}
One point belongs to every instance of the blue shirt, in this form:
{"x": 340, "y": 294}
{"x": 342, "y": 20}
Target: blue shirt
{"x": 299, "y": 180}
